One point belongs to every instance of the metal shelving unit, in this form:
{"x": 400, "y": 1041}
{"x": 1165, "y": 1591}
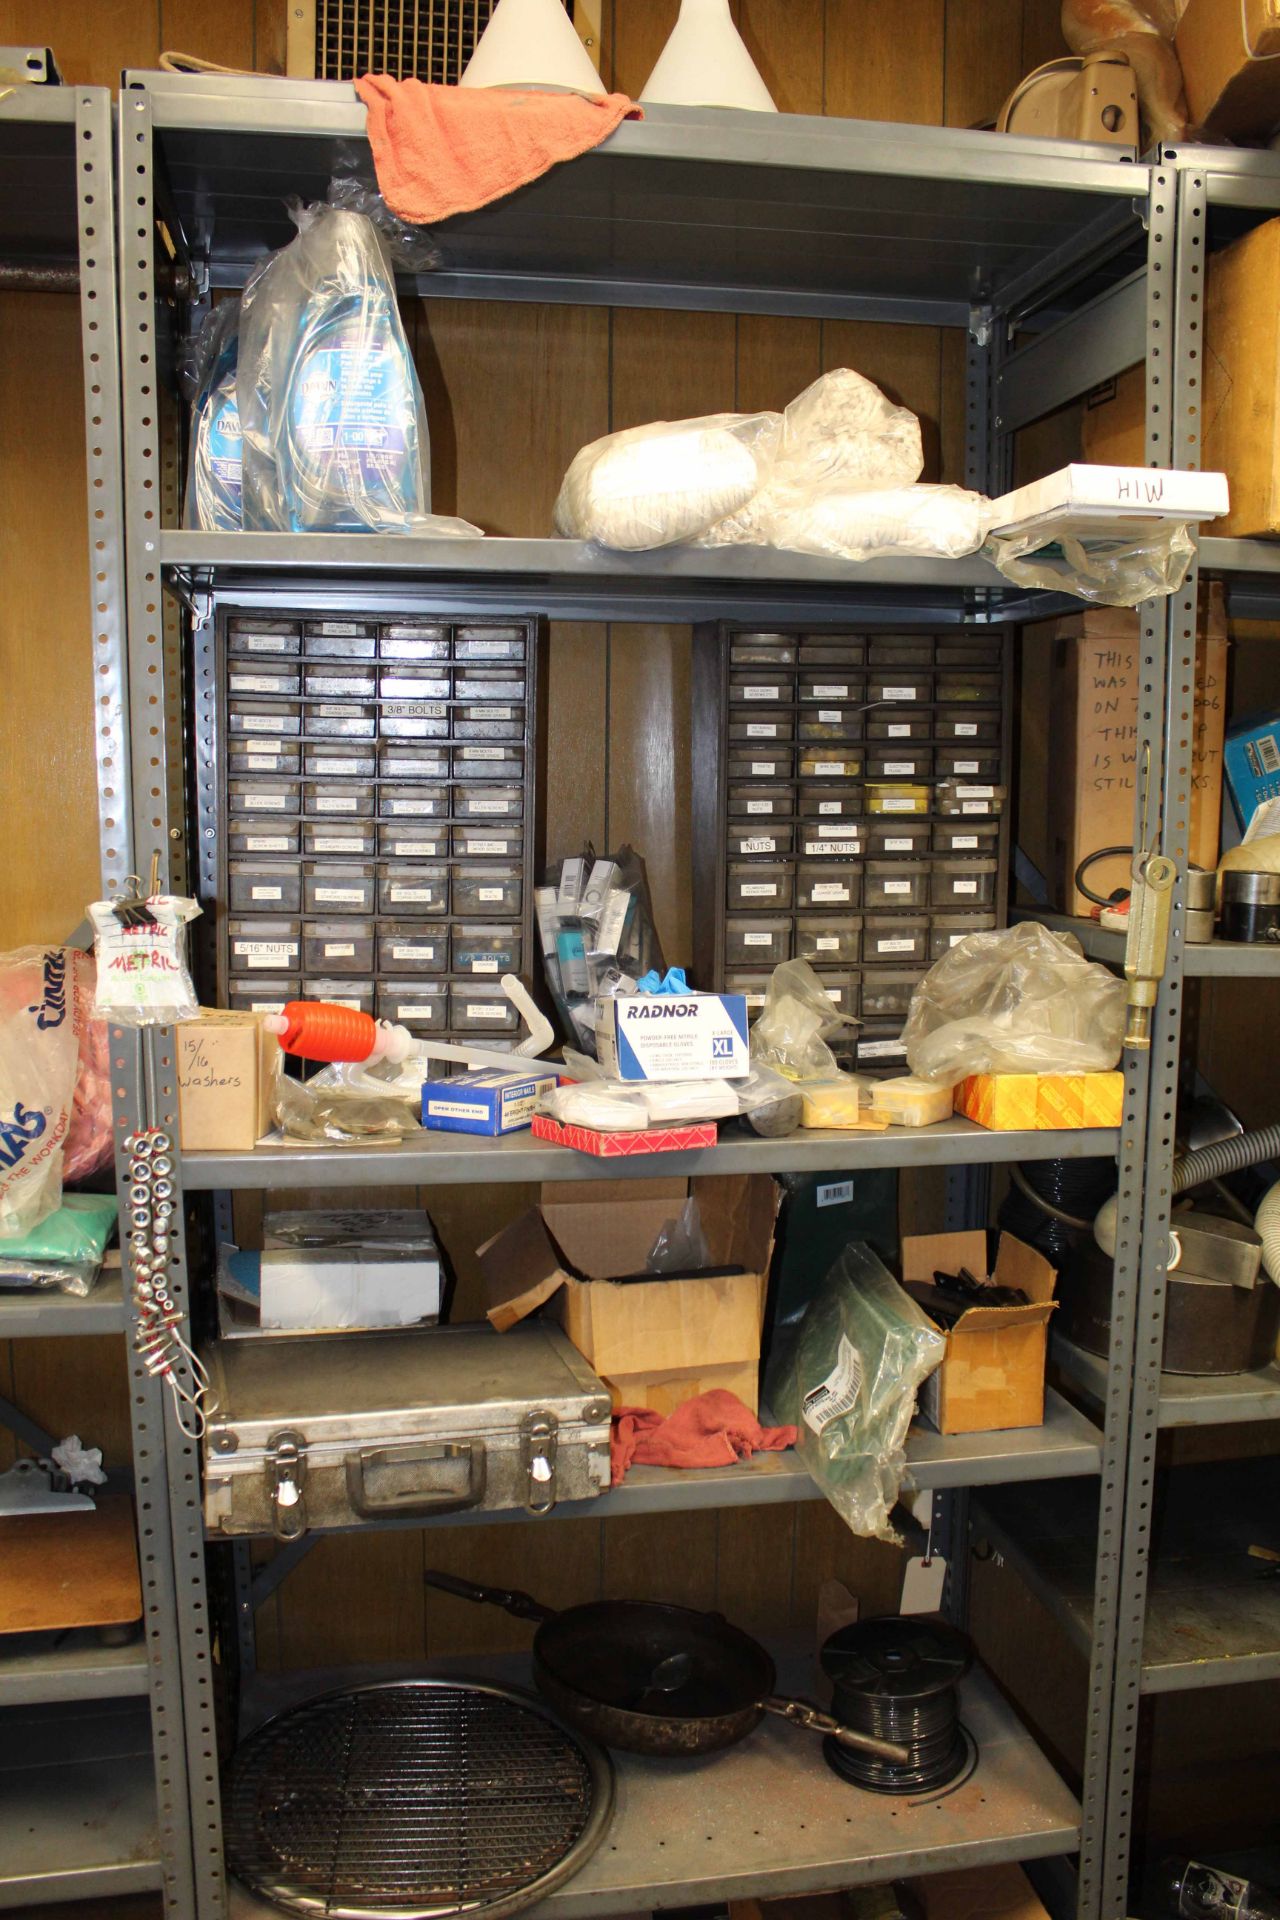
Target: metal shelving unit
{"x": 1212, "y": 960}
{"x": 1059, "y": 262}
{"x": 1186, "y": 1400}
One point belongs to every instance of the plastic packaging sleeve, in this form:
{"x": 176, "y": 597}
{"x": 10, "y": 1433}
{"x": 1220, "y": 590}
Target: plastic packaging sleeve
{"x": 1104, "y": 569}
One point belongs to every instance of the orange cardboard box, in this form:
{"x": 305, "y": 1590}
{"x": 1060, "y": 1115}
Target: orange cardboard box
{"x": 992, "y": 1374}
{"x": 1011, "y": 1102}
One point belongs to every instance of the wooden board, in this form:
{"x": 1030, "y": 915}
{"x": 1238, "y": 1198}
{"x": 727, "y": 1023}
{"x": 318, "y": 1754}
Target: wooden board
{"x": 60, "y": 1570}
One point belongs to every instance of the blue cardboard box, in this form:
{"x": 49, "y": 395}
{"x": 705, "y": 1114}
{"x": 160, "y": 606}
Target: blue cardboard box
{"x": 485, "y": 1100}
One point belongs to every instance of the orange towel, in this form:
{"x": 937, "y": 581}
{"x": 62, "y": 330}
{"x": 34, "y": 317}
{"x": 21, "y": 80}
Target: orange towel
{"x": 712, "y": 1430}
{"x": 445, "y": 150}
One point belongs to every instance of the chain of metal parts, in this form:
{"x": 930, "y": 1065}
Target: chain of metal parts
{"x": 159, "y": 1339}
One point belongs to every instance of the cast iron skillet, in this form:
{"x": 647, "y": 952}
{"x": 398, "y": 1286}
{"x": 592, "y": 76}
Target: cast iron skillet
{"x": 648, "y": 1678}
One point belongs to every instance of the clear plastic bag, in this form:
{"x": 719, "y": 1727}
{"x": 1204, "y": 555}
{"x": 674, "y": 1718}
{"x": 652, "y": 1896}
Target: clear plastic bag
{"x": 64, "y": 1250}
{"x": 45, "y": 1012}
{"x": 354, "y": 189}
{"x": 847, "y": 1379}
{"x": 794, "y": 1025}
{"x": 1020, "y": 1001}
{"x": 342, "y": 1102}
{"x": 661, "y": 484}
{"x": 681, "y": 1245}
{"x": 922, "y": 522}
{"x": 596, "y": 932}
{"x": 1108, "y": 570}
{"x": 143, "y": 977}
{"x": 214, "y": 450}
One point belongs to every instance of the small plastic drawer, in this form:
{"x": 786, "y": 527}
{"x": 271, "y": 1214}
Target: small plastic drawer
{"x": 477, "y": 949}
{"x": 414, "y": 720}
{"x": 945, "y": 934}
{"x": 828, "y": 886}
{"x": 896, "y": 686}
{"x": 262, "y": 795}
{"x": 488, "y": 683}
{"x": 899, "y": 723}
{"x": 830, "y": 803}
{"x": 405, "y": 946}
{"x": 340, "y": 839}
{"x": 409, "y": 683}
{"x": 963, "y": 884}
{"x": 263, "y": 756}
{"x": 900, "y": 650}
{"x": 895, "y": 798}
{"x": 752, "y": 986}
{"x": 422, "y": 1006}
{"x": 761, "y": 802}
{"x": 967, "y": 726}
{"x": 264, "y": 945}
{"x": 424, "y": 801}
{"x": 833, "y": 650}
{"x": 759, "y": 884}
{"x": 490, "y": 721}
{"x": 413, "y": 839}
{"x": 413, "y": 763}
{"x": 488, "y": 763}
{"x": 263, "y": 676}
{"x": 492, "y": 889}
{"x": 756, "y": 686}
{"x": 485, "y": 803}
{"x": 489, "y": 643}
{"x": 339, "y": 639}
{"x": 967, "y": 763}
{"x": 489, "y": 840}
{"x": 480, "y": 1006}
{"x": 969, "y": 800}
{"x": 259, "y": 887}
{"x": 899, "y": 760}
{"x": 832, "y": 763}
{"x": 416, "y": 644}
{"x": 885, "y": 838}
{"x": 760, "y": 763}
{"x": 968, "y": 684}
{"x": 758, "y": 726}
{"x": 897, "y": 883}
{"x": 826, "y": 687}
{"x": 341, "y": 720}
{"x": 765, "y": 841}
{"x": 969, "y": 836}
{"x": 265, "y": 995}
{"x": 420, "y": 891}
{"x": 756, "y": 942}
{"x": 762, "y": 650}
{"x": 832, "y": 840}
{"x": 248, "y": 833}
{"x": 260, "y": 717}
{"x": 336, "y": 762}
{"x": 353, "y": 993}
{"x": 970, "y": 650}
{"x": 339, "y": 680}
{"x": 335, "y": 889}
{"x": 279, "y": 637}
{"x": 338, "y": 946}
{"x": 827, "y": 941}
{"x": 325, "y": 797}
{"x": 880, "y": 1049}
{"x": 845, "y": 995}
{"x": 902, "y": 939}
{"x": 887, "y": 991}
{"x": 830, "y": 723}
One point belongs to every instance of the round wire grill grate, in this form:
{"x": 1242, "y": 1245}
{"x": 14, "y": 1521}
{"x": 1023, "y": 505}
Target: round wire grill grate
{"x": 419, "y": 1797}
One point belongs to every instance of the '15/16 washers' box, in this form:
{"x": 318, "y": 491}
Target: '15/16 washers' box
{"x": 683, "y": 1036}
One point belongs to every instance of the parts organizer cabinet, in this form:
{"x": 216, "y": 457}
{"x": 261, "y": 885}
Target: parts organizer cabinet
{"x": 848, "y": 810}
{"x": 367, "y": 810}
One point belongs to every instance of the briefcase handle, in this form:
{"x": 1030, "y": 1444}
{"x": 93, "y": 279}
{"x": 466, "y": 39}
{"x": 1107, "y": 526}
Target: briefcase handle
{"x": 419, "y": 1496}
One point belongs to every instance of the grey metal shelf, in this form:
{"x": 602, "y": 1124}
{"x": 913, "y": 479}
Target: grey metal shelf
{"x": 47, "y": 1312}
{"x": 39, "y": 228}
{"x": 77, "y": 1806}
{"x": 1215, "y": 960}
{"x": 437, "y": 1159}
{"x": 1213, "y": 1611}
{"x": 768, "y": 1818}
{"x": 37, "y": 1668}
{"x": 1185, "y": 1401}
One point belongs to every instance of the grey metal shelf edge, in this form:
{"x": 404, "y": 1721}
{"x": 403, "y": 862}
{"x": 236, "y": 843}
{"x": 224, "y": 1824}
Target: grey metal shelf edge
{"x": 1185, "y": 1400}
{"x": 71, "y": 1666}
{"x": 40, "y": 1314}
{"x": 77, "y": 1792}
{"x": 1214, "y": 960}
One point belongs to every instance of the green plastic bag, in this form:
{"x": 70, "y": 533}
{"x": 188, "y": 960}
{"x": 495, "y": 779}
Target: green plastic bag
{"x": 65, "y": 1250}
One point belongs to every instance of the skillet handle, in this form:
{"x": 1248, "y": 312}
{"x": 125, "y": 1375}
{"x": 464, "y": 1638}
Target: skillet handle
{"x": 522, "y": 1605}
{"x": 801, "y": 1714}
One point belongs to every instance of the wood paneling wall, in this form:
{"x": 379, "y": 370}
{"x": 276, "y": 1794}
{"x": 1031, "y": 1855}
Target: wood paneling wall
{"x": 512, "y": 393}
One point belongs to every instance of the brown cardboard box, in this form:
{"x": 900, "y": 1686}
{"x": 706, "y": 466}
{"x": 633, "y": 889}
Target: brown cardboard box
{"x": 227, "y": 1071}
{"x": 1113, "y": 432}
{"x": 1000, "y": 1891}
{"x": 1228, "y": 53}
{"x": 992, "y": 1375}
{"x": 1094, "y": 693}
{"x": 657, "y": 1342}
{"x": 1242, "y": 378}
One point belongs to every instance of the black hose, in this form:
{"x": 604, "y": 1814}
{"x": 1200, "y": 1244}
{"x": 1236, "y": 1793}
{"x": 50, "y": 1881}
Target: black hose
{"x": 1050, "y": 1198}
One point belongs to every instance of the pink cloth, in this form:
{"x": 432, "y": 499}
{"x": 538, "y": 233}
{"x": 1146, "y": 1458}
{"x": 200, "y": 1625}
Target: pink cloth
{"x": 713, "y": 1430}
{"x": 444, "y": 150}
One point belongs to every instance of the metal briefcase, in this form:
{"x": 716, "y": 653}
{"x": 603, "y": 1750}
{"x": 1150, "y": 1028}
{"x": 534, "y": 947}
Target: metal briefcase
{"x": 333, "y": 1431}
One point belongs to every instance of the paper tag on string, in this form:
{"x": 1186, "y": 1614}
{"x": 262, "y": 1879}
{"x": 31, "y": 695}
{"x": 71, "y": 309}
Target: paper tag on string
{"x": 922, "y": 1584}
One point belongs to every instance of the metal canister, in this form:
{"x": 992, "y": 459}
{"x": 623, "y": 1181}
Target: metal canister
{"x": 1250, "y": 906}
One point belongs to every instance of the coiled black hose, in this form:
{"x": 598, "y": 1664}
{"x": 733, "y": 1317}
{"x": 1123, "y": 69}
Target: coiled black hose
{"x": 1052, "y": 1201}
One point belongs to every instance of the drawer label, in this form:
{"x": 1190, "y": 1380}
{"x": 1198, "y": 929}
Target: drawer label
{"x": 757, "y": 843}
{"x": 828, "y": 766}
{"x": 339, "y": 950}
{"x": 759, "y": 806}
{"x": 756, "y": 939}
{"x": 760, "y": 730}
{"x": 256, "y": 683}
{"x": 898, "y": 730}
{"x": 895, "y": 946}
{"x": 340, "y": 896}
{"x": 894, "y": 845}
{"x": 416, "y": 806}
{"x": 897, "y": 887}
{"x": 488, "y": 846}
{"x": 266, "y": 893}
{"x": 893, "y": 803}
{"x": 976, "y": 793}
{"x": 965, "y": 730}
{"x": 415, "y": 849}
{"x": 266, "y": 953}
{"x": 899, "y": 767}
{"x": 419, "y": 894}
{"x": 262, "y": 722}
{"x": 268, "y": 802}
{"x": 829, "y": 716}
{"x": 489, "y": 893}
{"x": 831, "y": 693}
{"x": 487, "y": 806}
{"x": 263, "y": 642}
{"x": 413, "y": 953}
{"x": 759, "y": 693}
{"x": 966, "y": 766}
{"x": 829, "y": 890}
{"x": 830, "y": 806}
{"x": 268, "y": 843}
{"x": 881, "y": 1050}
{"x": 414, "y": 709}
{"x": 336, "y": 802}
{"x": 759, "y": 890}
{"x": 486, "y": 1012}
{"x": 964, "y": 886}
{"x": 827, "y": 943}
{"x": 900, "y": 693}
{"x": 833, "y": 846}
{"x": 964, "y": 840}
{"x": 334, "y": 843}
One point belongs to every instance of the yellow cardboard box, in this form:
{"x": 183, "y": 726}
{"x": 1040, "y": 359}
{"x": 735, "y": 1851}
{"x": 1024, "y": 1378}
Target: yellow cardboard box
{"x": 992, "y": 1374}
{"x": 227, "y": 1071}
{"x": 1014, "y": 1102}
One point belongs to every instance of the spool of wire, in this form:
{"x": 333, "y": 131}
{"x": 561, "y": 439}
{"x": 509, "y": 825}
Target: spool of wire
{"x": 897, "y": 1679}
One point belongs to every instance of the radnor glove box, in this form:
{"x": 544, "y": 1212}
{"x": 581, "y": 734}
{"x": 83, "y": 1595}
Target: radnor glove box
{"x": 679, "y": 1036}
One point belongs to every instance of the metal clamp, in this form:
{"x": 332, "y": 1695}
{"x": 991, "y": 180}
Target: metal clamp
{"x": 539, "y": 1435}
{"x": 286, "y": 1471}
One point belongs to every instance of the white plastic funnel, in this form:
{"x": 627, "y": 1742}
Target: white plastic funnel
{"x": 531, "y": 43}
{"x": 705, "y": 64}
